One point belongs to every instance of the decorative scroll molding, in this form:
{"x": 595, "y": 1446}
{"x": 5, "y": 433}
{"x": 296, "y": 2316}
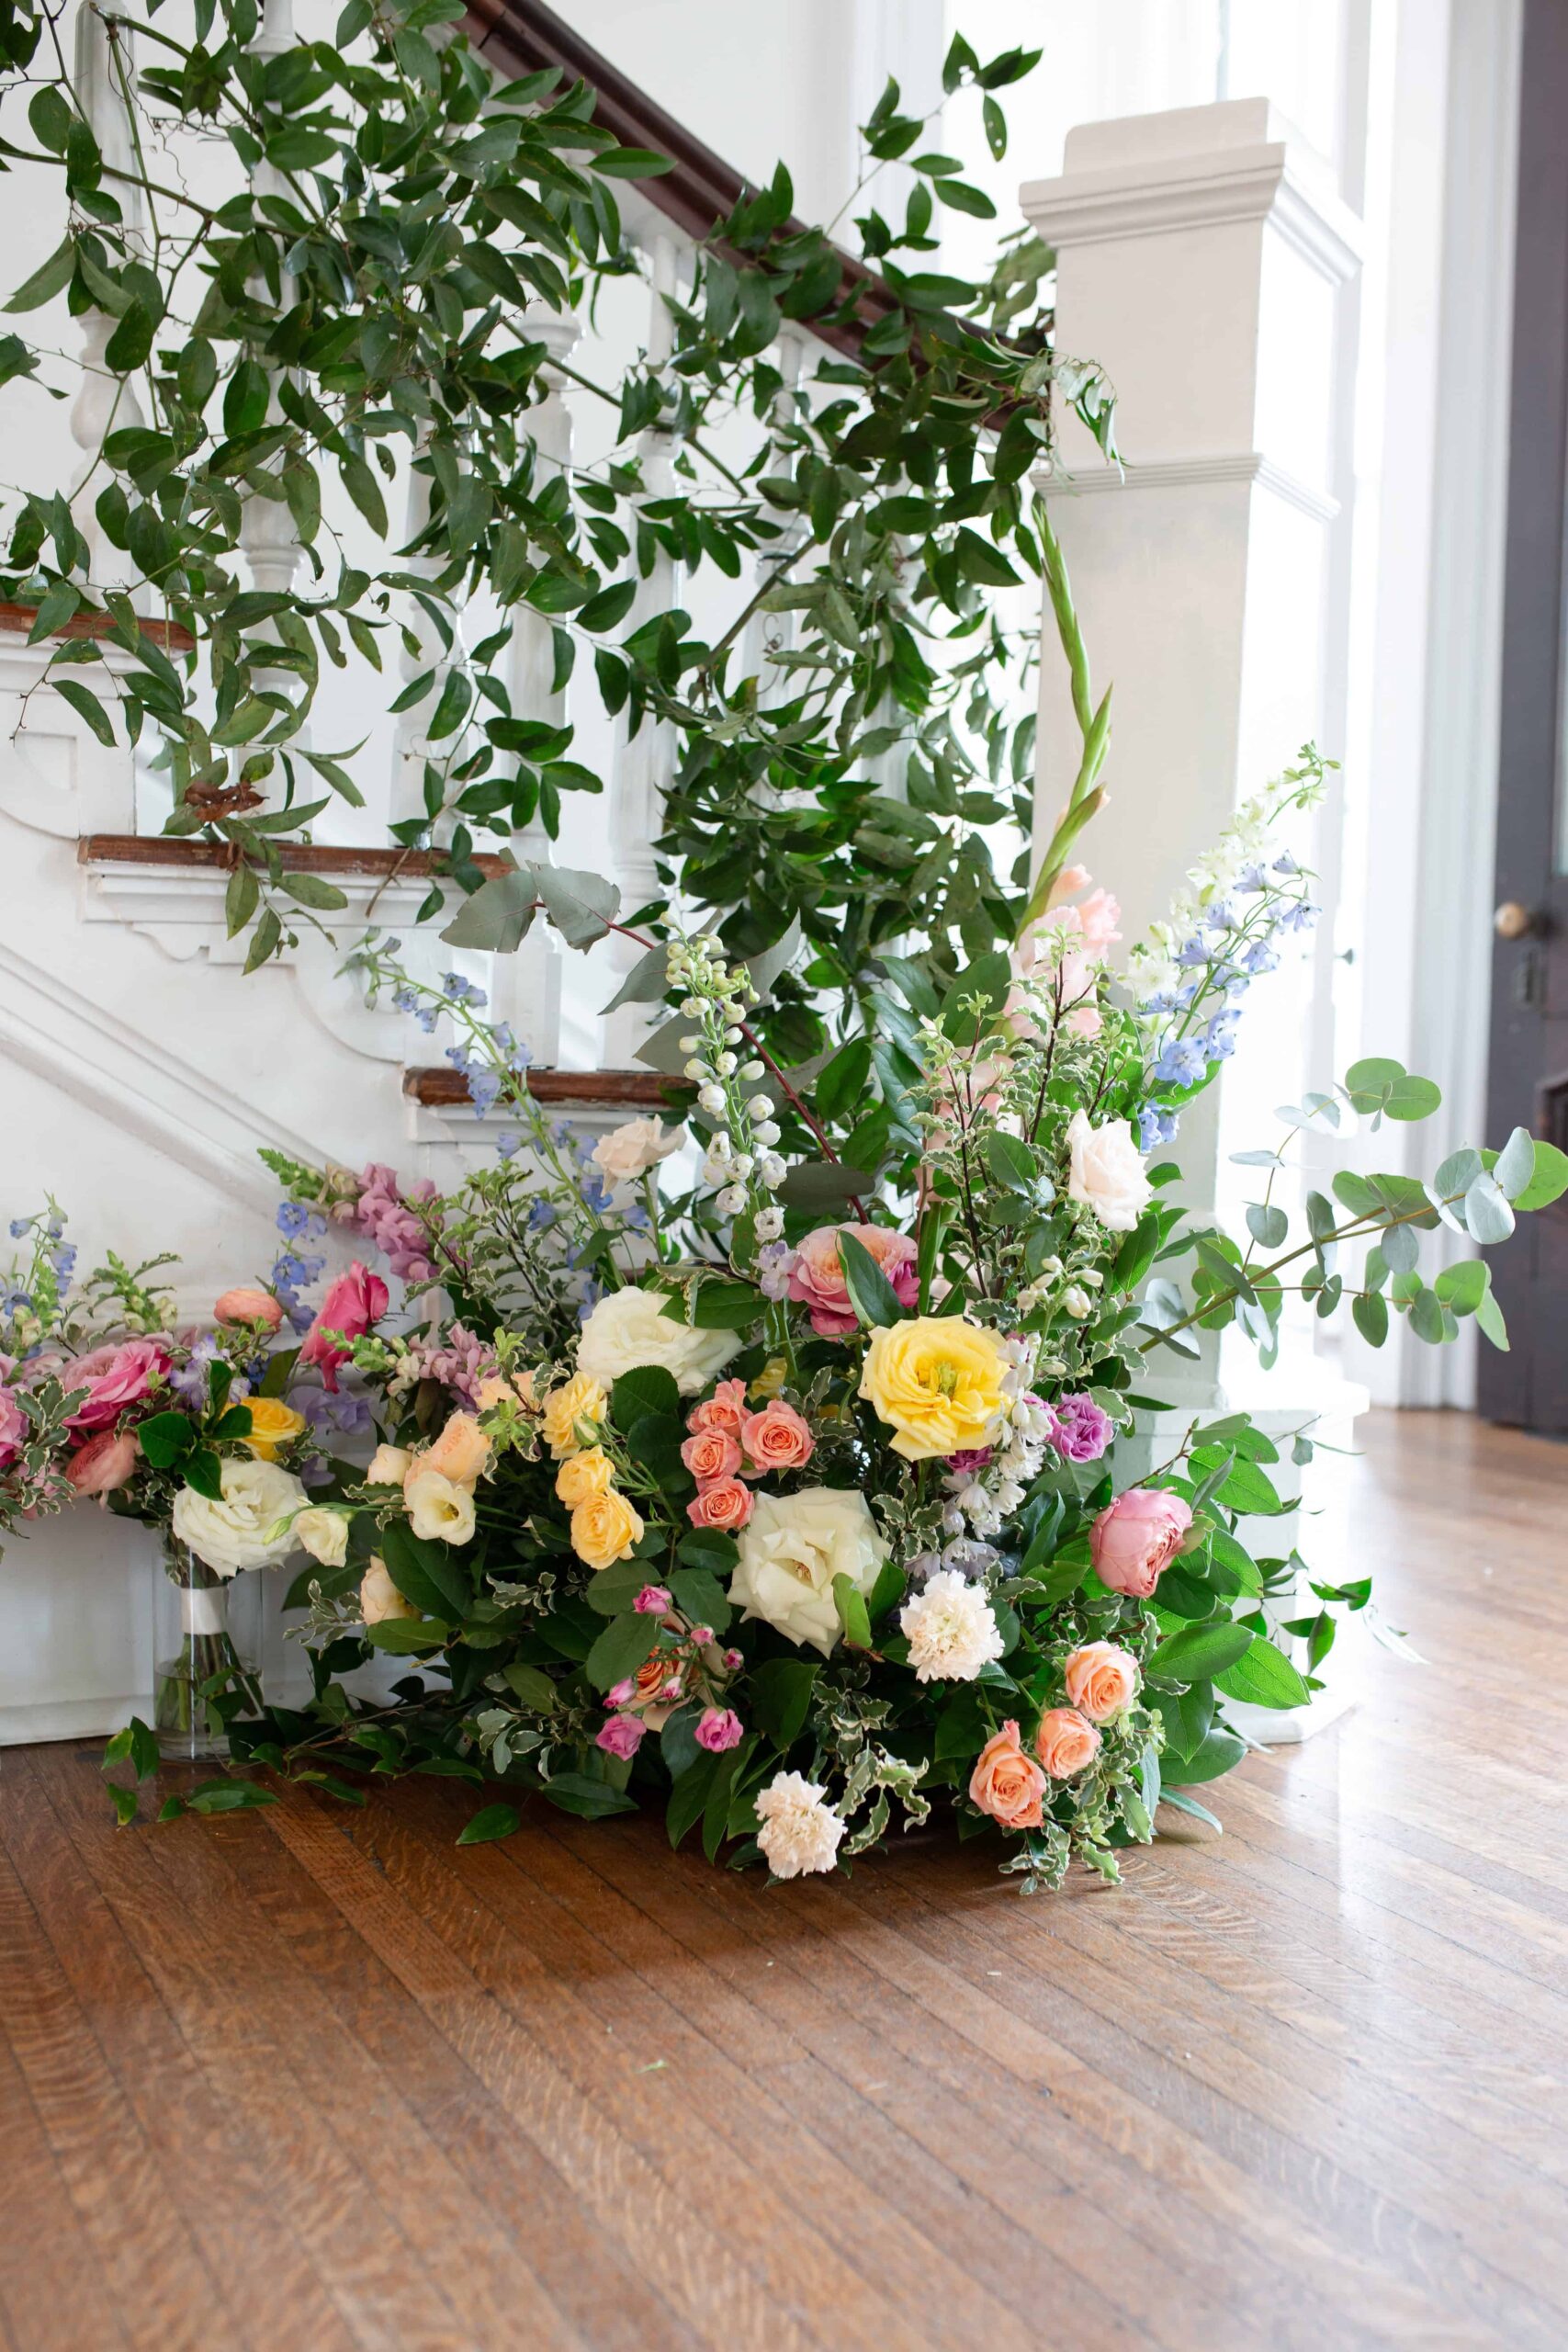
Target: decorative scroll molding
{"x": 1250, "y": 465}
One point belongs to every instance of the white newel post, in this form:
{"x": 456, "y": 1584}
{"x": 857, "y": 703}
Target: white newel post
{"x": 1201, "y": 253}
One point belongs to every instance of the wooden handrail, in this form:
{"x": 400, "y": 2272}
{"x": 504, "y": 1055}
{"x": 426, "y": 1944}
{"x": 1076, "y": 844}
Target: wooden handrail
{"x": 520, "y": 37}
{"x": 185, "y": 852}
{"x": 442, "y": 1089}
{"x": 18, "y": 620}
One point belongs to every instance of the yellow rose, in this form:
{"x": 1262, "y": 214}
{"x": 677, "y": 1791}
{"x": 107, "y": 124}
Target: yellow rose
{"x": 605, "y": 1528}
{"x": 565, "y": 1408}
{"x": 583, "y": 1476}
{"x": 938, "y": 1381}
{"x": 273, "y": 1424}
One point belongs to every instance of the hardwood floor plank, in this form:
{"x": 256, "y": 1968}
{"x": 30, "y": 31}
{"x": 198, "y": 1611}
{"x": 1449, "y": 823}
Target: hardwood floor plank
{"x": 52, "y": 2292}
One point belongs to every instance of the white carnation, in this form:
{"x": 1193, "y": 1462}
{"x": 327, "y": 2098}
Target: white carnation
{"x": 237, "y": 1530}
{"x": 950, "y": 1629}
{"x": 800, "y": 1830}
{"x": 791, "y": 1549}
{"x": 628, "y": 1328}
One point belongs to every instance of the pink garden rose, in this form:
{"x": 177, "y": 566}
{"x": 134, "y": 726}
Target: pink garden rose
{"x": 1135, "y": 1539}
{"x": 1083, "y": 1429}
{"x": 622, "y": 1736}
{"x": 352, "y": 1304}
{"x": 1065, "y": 1742}
{"x": 104, "y": 1464}
{"x": 246, "y": 1304}
{"x": 113, "y": 1377}
{"x": 13, "y": 1428}
{"x": 816, "y": 1279}
{"x": 778, "y": 1438}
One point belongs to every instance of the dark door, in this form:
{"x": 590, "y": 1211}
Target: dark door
{"x": 1527, "y": 1077}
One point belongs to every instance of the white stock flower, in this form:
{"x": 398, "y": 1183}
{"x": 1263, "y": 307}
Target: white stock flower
{"x": 1106, "y": 1173}
{"x": 628, "y": 1328}
{"x": 236, "y": 1531}
{"x": 793, "y": 1548}
{"x": 630, "y": 1151}
{"x": 800, "y": 1831}
{"x": 950, "y": 1629}
{"x": 324, "y": 1535}
{"x": 438, "y": 1506}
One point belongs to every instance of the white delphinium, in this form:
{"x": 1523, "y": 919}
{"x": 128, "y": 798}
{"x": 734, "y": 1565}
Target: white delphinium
{"x": 800, "y": 1831}
{"x": 950, "y": 1630}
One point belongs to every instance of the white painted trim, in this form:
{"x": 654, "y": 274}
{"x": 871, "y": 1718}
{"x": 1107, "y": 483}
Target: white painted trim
{"x": 43, "y": 1719}
{"x": 113, "y": 891}
{"x": 1248, "y": 466}
{"x": 1200, "y": 191}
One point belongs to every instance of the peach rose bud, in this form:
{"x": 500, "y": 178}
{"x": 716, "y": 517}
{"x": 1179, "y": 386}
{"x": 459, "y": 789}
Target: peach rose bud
{"x": 1007, "y": 1784}
{"x": 245, "y": 1304}
{"x": 1065, "y": 1742}
{"x": 1102, "y": 1680}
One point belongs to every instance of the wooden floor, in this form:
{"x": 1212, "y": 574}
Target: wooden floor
{"x": 315, "y": 2079}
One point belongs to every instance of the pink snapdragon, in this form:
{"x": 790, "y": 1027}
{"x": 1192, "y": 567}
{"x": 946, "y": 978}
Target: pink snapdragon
{"x": 383, "y": 1214}
{"x": 352, "y": 1304}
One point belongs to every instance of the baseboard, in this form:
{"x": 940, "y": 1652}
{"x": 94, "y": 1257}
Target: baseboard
{"x": 71, "y": 1718}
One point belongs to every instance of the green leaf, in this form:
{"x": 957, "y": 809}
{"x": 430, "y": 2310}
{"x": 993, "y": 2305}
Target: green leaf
{"x": 854, "y": 1615}
{"x": 609, "y": 606}
{"x": 1514, "y": 1165}
{"x": 646, "y": 1390}
{"x": 1010, "y": 1162}
{"x": 623, "y": 1645}
{"x": 631, "y": 163}
{"x": 51, "y": 278}
{"x": 1220, "y": 1752}
{"x": 86, "y": 704}
{"x": 1190, "y": 1805}
{"x": 425, "y": 1572}
{"x": 701, "y": 1598}
{"x": 1264, "y": 1678}
{"x": 871, "y": 1294}
{"x": 228, "y": 1796}
{"x": 591, "y": 1800}
{"x": 166, "y": 1439}
{"x": 689, "y": 1797}
{"x": 1488, "y": 1213}
{"x": 1200, "y": 1652}
{"x": 531, "y": 1687}
{"x": 1369, "y": 1311}
{"x": 1549, "y": 1179}
{"x": 780, "y": 1692}
{"x": 405, "y": 1635}
{"x": 491, "y": 1821}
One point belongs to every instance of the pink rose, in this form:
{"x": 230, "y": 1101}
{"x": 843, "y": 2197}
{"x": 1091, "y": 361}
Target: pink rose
{"x": 622, "y": 1736}
{"x": 113, "y": 1377}
{"x": 725, "y": 1504}
{"x": 1102, "y": 1680}
{"x": 14, "y": 1426}
{"x": 1065, "y": 1742}
{"x": 777, "y": 1437}
{"x": 104, "y": 1464}
{"x": 1007, "y": 1784}
{"x": 817, "y": 1278}
{"x": 718, "y": 1728}
{"x": 248, "y": 1304}
{"x": 725, "y": 1410}
{"x": 710, "y": 1454}
{"x": 653, "y": 1600}
{"x": 352, "y": 1304}
{"x": 1135, "y": 1539}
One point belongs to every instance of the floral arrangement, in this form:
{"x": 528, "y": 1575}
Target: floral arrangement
{"x": 714, "y": 1472}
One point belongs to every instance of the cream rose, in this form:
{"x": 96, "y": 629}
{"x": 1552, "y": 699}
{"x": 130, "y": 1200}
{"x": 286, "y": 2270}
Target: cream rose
{"x": 460, "y": 1452}
{"x": 388, "y": 1467}
{"x": 378, "y": 1596}
{"x": 630, "y": 1151}
{"x": 324, "y": 1535}
{"x": 242, "y": 1529}
{"x": 793, "y": 1547}
{"x": 629, "y": 1327}
{"x": 1106, "y": 1172}
{"x": 438, "y": 1506}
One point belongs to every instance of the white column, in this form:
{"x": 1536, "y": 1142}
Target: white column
{"x": 104, "y": 404}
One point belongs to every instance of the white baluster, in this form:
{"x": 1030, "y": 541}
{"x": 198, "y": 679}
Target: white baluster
{"x": 774, "y": 632}
{"x": 410, "y": 748}
{"x": 104, "y": 404}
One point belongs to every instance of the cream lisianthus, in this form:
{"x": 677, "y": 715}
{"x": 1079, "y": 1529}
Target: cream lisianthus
{"x": 605, "y": 1528}
{"x": 248, "y": 1525}
{"x": 583, "y": 1476}
{"x": 439, "y": 1506}
{"x": 629, "y": 1327}
{"x": 578, "y": 1404}
{"x": 938, "y": 1380}
{"x": 324, "y": 1535}
{"x": 791, "y": 1550}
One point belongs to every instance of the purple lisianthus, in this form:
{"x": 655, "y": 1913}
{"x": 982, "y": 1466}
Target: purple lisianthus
{"x": 1083, "y": 1431}
{"x": 972, "y": 1457}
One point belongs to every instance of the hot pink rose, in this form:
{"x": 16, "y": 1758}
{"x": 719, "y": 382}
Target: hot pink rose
{"x": 1007, "y": 1784}
{"x": 725, "y": 1410}
{"x": 1065, "y": 1742}
{"x": 113, "y": 1377}
{"x": 13, "y": 1428}
{"x": 777, "y": 1437}
{"x": 727, "y": 1504}
{"x": 352, "y": 1304}
{"x": 719, "y": 1728}
{"x": 248, "y": 1304}
{"x": 711, "y": 1453}
{"x": 817, "y": 1278}
{"x": 1136, "y": 1538}
{"x": 104, "y": 1464}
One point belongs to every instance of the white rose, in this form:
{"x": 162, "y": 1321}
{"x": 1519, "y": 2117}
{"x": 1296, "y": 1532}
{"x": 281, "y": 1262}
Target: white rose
{"x": 237, "y": 1530}
{"x": 629, "y": 1327}
{"x": 633, "y": 1149}
{"x": 439, "y": 1506}
{"x": 378, "y": 1596}
{"x": 800, "y": 1831}
{"x": 388, "y": 1467}
{"x": 791, "y": 1551}
{"x": 950, "y": 1630}
{"x": 324, "y": 1535}
{"x": 1107, "y": 1173}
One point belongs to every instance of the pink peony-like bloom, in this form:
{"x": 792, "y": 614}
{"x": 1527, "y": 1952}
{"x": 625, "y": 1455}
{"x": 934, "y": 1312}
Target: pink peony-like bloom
{"x": 718, "y": 1728}
{"x": 1083, "y": 1431}
{"x": 246, "y": 1304}
{"x": 725, "y": 1410}
{"x": 113, "y": 1377}
{"x": 1065, "y": 1742}
{"x": 653, "y": 1600}
{"x": 352, "y": 1304}
{"x": 710, "y": 1454}
{"x": 622, "y": 1736}
{"x": 102, "y": 1465}
{"x": 1135, "y": 1539}
{"x": 816, "y": 1279}
{"x": 725, "y": 1504}
{"x": 778, "y": 1438}
{"x": 13, "y": 1428}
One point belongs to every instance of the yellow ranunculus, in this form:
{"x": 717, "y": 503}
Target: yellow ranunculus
{"x": 580, "y": 1399}
{"x": 938, "y": 1381}
{"x": 583, "y": 1476}
{"x": 273, "y": 1424}
{"x": 605, "y": 1528}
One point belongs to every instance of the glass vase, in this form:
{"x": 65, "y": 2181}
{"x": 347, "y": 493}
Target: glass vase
{"x": 205, "y": 1645}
